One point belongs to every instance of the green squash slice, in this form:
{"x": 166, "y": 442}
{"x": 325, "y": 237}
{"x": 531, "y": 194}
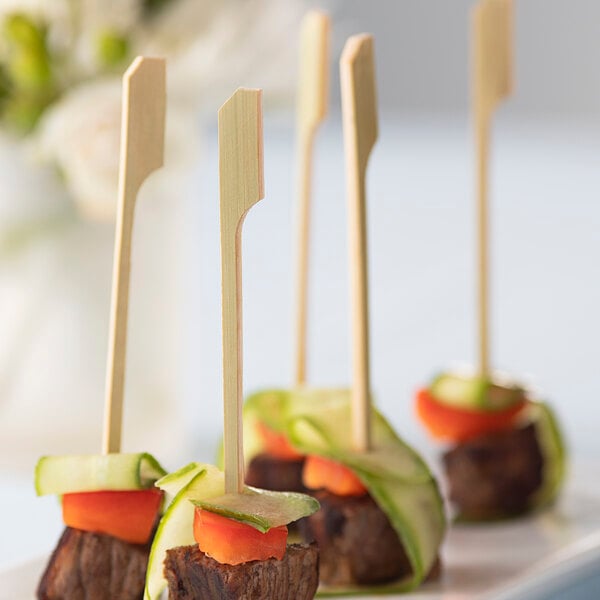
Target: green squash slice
{"x": 271, "y": 408}
{"x": 318, "y": 421}
{"x": 261, "y": 509}
{"x": 96, "y": 472}
{"x": 194, "y": 481}
{"x": 473, "y": 392}
{"x": 553, "y": 450}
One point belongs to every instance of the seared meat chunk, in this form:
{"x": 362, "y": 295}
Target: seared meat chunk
{"x": 91, "y": 566}
{"x": 192, "y": 575}
{"x": 495, "y": 475}
{"x": 277, "y": 474}
{"x": 357, "y": 543}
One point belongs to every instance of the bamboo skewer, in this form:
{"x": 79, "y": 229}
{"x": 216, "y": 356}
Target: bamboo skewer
{"x": 312, "y": 108}
{"x": 241, "y": 186}
{"x": 492, "y": 82}
{"x": 359, "y": 112}
{"x": 142, "y": 146}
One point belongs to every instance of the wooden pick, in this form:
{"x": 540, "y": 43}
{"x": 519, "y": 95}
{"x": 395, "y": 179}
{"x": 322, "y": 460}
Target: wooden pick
{"x": 241, "y": 186}
{"x": 359, "y": 113}
{"x": 312, "y": 108}
{"x": 492, "y": 82}
{"x": 142, "y": 146}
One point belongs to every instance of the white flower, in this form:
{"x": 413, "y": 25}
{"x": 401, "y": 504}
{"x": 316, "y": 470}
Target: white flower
{"x": 81, "y": 136}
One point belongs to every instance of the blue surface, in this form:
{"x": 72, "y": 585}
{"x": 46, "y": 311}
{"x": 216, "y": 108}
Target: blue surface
{"x": 588, "y": 589}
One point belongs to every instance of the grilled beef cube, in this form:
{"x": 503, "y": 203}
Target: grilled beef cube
{"x": 280, "y": 475}
{"x": 495, "y": 475}
{"x": 357, "y": 543}
{"x": 91, "y": 566}
{"x": 192, "y": 575}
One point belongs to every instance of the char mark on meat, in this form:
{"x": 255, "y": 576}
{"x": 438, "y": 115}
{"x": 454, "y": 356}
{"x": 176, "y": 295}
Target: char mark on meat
{"x": 357, "y": 543}
{"x": 495, "y": 475}
{"x": 91, "y": 566}
{"x": 192, "y": 575}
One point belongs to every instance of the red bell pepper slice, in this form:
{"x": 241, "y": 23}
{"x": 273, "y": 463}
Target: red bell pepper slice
{"x": 458, "y": 424}
{"x": 323, "y": 473}
{"x": 127, "y": 515}
{"x": 231, "y": 542}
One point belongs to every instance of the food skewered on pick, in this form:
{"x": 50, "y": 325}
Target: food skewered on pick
{"x": 506, "y": 454}
{"x": 110, "y": 508}
{"x": 381, "y": 520}
{"x": 216, "y": 545}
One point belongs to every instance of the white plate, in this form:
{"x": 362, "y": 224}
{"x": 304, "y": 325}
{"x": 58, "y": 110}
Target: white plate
{"x": 526, "y": 558}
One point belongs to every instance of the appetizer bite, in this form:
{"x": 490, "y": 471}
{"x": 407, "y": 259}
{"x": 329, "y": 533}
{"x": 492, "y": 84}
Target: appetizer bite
{"x": 381, "y": 520}
{"x": 507, "y": 455}
{"x": 370, "y": 484}
{"x": 215, "y": 545}
{"x": 274, "y": 464}
{"x": 110, "y": 508}
{"x": 109, "y": 503}
{"x": 219, "y": 538}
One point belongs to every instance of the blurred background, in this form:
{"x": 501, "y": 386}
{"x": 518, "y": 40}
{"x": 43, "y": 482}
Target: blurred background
{"x": 423, "y": 45}
{"x": 60, "y": 69}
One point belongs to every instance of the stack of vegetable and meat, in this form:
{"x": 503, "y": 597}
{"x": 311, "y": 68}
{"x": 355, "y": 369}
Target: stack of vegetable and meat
{"x": 506, "y": 454}
{"x": 109, "y": 502}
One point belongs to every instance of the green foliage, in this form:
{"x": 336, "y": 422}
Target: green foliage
{"x": 4, "y": 86}
{"x": 21, "y": 113}
{"x": 22, "y": 31}
{"x": 30, "y": 70}
{"x": 112, "y": 49}
{"x": 27, "y": 84}
{"x": 35, "y": 72}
